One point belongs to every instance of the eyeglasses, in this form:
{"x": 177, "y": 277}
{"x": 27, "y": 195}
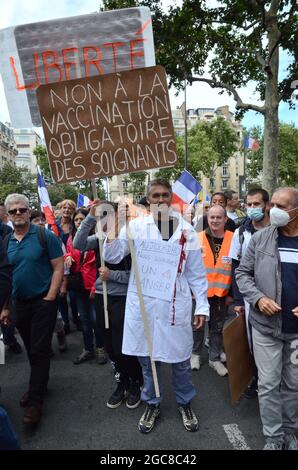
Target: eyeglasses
{"x": 158, "y": 195}
{"x": 21, "y": 210}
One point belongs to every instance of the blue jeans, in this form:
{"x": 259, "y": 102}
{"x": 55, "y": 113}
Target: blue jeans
{"x": 86, "y": 307}
{"x": 181, "y": 380}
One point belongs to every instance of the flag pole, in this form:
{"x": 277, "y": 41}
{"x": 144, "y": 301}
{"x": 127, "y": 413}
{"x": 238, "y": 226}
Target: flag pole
{"x": 185, "y": 128}
{"x": 100, "y": 243}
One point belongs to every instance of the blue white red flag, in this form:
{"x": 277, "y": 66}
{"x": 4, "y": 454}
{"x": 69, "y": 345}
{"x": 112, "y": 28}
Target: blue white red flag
{"x": 185, "y": 189}
{"x": 83, "y": 201}
{"x": 45, "y": 202}
{"x": 250, "y": 143}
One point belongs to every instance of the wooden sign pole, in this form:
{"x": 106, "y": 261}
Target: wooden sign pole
{"x": 100, "y": 243}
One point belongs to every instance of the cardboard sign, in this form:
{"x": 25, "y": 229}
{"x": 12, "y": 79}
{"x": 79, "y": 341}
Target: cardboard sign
{"x": 108, "y": 125}
{"x": 158, "y": 264}
{"x": 69, "y": 48}
{"x": 239, "y": 359}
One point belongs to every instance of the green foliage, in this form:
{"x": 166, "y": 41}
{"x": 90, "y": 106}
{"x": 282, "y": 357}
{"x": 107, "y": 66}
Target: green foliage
{"x": 210, "y": 144}
{"x": 42, "y": 160}
{"x": 18, "y": 180}
{"x": 287, "y": 150}
{"x": 137, "y": 183}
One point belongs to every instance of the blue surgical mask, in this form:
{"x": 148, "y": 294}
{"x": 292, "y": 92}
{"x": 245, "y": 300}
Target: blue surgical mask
{"x": 255, "y": 213}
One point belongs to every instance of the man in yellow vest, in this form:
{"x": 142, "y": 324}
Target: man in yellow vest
{"x": 215, "y": 243}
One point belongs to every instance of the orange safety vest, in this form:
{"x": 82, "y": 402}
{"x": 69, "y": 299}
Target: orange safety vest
{"x": 219, "y": 275}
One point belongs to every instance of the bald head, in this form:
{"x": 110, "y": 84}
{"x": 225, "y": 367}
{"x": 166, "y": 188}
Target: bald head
{"x": 217, "y": 218}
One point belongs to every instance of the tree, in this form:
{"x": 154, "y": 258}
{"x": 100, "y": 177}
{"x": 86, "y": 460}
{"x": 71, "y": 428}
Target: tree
{"x": 241, "y": 41}
{"x": 210, "y": 145}
{"x": 18, "y": 180}
{"x": 137, "y": 183}
{"x": 287, "y": 151}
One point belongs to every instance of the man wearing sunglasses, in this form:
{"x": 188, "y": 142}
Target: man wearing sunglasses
{"x": 37, "y": 276}
{"x": 169, "y": 319}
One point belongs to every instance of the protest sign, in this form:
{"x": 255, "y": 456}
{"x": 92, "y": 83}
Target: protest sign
{"x": 69, "y": 48}
{"x": 108, "y": 125}
{"x": 239, "y": 359}
{"x": 158, "y": 265}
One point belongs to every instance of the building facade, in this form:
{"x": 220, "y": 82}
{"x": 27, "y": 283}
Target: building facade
{"x": 228, "y": 176}
{"x": 8, "y": 148}
{"x": 26, "y": 140}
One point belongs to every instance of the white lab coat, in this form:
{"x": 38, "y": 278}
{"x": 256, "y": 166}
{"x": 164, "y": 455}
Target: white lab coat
{"x": 171, "y": 343}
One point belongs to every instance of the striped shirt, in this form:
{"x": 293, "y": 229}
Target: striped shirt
{"x": 288, "y": 252}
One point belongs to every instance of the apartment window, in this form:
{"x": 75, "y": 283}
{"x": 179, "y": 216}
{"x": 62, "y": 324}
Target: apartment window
{"x": 224, "y": 171}
{"x": 224, "y": 183}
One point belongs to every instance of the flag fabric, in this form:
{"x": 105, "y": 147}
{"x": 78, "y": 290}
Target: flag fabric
{"x": 185, "y": 189}
{"x": 208, "y": 198}
{"x": 83, "y": 201}
{"x": 251, "y": 144}
{"x": 198, "y": 198}
{"x": 45, "y": 202}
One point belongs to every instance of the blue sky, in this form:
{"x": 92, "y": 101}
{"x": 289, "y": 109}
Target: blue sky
{"x": 14, "y": 12}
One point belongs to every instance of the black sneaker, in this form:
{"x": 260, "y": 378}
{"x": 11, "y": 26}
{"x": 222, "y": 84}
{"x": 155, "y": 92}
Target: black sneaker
{"x": 117, "y": 397}
{"x": 251, "y": 390}
{"x": 134, "y": 395}
{"x": 190, "y": 421}
{"x": 148, "y": 418}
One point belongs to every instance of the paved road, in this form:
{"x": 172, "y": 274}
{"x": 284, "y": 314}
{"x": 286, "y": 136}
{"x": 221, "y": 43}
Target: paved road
{"x": 75, "y": 415}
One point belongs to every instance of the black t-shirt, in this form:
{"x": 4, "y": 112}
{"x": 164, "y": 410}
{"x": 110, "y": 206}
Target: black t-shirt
{"x": 166, "y": 227}
{"x": 288, "y": 251}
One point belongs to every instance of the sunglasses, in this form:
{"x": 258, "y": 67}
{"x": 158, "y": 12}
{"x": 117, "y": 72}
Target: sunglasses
{"x": 21, "y": 210}
{"x": 158, "y": 195}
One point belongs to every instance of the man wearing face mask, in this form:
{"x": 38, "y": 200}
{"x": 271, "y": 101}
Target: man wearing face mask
{"x": 257, "y": 205}
{"x": 268, "y": 279}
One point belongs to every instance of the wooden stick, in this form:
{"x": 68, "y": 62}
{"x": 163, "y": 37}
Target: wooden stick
{"x": 100, "y": 243}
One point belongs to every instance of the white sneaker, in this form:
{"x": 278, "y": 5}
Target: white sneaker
{"x": 219, "y": 368}
{"x": 223, "y": 357}
{"x": 195, "y": 362}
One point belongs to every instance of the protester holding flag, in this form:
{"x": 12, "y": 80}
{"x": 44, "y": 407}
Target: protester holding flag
{"x": 169, "y": 320}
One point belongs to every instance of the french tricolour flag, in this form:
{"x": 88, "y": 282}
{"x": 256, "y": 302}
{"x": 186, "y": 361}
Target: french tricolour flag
{"x": 185, "y": 189}
{"x": 45, "y": 202}
{"x": 251, "y": 144}
{"x": 83, "y": 201}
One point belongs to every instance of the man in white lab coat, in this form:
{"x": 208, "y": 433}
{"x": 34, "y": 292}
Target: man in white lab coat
{"x": 169, "y": 320}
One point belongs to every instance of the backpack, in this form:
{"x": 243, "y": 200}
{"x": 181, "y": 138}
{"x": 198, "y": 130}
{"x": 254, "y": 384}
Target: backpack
{"x": 241, "y": 240}
{"x": 41, "y": 235}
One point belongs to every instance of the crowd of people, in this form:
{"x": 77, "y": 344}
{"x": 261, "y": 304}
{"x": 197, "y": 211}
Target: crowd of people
{"x": 244, "y": 261}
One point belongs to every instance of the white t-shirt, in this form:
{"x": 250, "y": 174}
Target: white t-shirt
{"x": 232, "y": 215}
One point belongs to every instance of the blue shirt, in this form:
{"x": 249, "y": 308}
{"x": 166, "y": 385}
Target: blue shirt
{"x": 32, "y": 269}
{"x": 288, "y": 251}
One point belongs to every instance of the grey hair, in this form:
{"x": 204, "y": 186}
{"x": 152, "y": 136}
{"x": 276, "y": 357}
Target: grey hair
{"x": 15, "y": 199}
{"x": 158, "y": 182}
{"x": 291, "y": 189}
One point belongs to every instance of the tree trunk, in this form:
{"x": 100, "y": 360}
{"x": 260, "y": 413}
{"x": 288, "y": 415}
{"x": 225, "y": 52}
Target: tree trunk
{"x": 271, "y": 129}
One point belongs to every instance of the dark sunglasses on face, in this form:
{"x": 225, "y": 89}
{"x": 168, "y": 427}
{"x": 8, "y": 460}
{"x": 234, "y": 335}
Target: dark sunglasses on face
{"x": 158, "y": 195}
{"x": 21, "y": 210}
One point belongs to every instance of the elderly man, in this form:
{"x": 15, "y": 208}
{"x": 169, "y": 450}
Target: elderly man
{"x": 169, "y": 319}
{"x": 268, "y": 279}
{"x": 37, "y": 261}
{"x": 216, "y": 242}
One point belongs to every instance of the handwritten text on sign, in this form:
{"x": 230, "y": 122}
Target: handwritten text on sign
{"x": 158, "y": 264}
{"x": 108, "y": 125}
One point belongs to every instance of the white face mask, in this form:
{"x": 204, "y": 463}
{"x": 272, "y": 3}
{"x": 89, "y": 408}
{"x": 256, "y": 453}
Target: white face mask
{"x": 280, "y": 217}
